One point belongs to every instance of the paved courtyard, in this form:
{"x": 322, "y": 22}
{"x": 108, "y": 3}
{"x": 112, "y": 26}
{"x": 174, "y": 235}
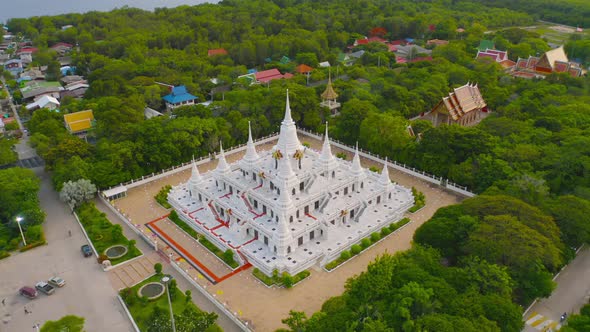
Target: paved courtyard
{"x": 88, "y": 292}
{"x": 264, "y": 307}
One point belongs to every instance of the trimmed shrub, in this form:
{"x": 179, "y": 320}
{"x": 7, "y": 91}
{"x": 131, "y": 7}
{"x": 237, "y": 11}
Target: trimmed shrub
{"x": 158, "y": 268}
{"x": 176, "y": 219}
{"x": 385, "y": 231}
{"x": 341, "y": 155}
{"x": 375, "y": 237}
{"x": 365, "y": 243}
{"x": 355, "y": 249}
{"x": 4, "y": 254}
{"x": 345, "y": 255}
{"x": 307, "y": 145}
{"x": 287, "y": 280}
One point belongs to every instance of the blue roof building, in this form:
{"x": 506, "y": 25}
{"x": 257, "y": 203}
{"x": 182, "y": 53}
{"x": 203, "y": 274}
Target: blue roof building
{"x": 179, "y": 97}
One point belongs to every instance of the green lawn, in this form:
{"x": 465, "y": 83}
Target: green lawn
{"x": 141, "y": 309}
{"x": 103, "y": 233}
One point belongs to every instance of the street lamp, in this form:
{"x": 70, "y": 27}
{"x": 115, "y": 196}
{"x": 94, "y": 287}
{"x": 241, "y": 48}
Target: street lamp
{"x": 166, "y": 281}
{"x": 18, "y": 220}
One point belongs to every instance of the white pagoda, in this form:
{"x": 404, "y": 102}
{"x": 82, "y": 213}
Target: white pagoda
{"x": 289, "y": 208}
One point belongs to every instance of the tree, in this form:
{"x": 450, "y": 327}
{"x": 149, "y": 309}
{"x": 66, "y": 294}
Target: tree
{"x": 295, "y": 321}
{"x": 75, "y": 193}
{"x": 69, "y": 323}
{"x": 158, "y": 268}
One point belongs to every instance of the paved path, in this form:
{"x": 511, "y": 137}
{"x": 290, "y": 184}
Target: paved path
{"x": 264, "y": 307}
{"x": 134, "y": 272}
{"x": 88, "y": 292}
{"x": 201, "y": 301}
{"x": 572, "y": 292}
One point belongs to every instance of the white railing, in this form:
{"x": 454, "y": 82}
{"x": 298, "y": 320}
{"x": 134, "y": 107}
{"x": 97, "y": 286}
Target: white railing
{"x": 394, "y": 164}
{"x": 187, "y": 165}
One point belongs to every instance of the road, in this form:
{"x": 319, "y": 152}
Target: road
{"x": 572, "y": 292}
{"x": 88, "y": 292}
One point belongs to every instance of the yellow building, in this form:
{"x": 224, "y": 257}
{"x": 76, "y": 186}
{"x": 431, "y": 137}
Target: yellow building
{"x": 79, "y": 123}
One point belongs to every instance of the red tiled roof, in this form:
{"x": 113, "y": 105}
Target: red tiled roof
{"x": 376, "y": 39}
{"x": 217, "y": 51}
{"x": 392, "y": 48}
{"x": 271, "y": 74}
{"x": 28, "y": 50}
{"x": 362, "y": 41}
{"x": 481, "y": 55}
{"x": 60, "y": 44}
{"x": 398, "y": 42}
{"x": 507, "y": 63}
{"x": 561, "y": 67}
{"x": 303, "y": 69}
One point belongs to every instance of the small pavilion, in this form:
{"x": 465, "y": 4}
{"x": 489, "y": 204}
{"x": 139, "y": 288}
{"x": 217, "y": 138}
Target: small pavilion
{"x": 329, "y": 99}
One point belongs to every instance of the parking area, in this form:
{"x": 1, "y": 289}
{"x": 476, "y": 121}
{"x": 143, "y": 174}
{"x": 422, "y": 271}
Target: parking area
{"x": 88, "y": 292}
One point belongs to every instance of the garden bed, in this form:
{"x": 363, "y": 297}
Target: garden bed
{"x": 142, "y": 309}
{"x": 284, "y": 280}
{"x": 104, "y": 234}
{"x": 162, "y": 197}
{"x": 226, "y": 256}
{"x": 365, "y": 243}
{"x": 419, "y": 200}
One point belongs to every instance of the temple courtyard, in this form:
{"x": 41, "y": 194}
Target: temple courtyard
{"x": 260, "y": 306}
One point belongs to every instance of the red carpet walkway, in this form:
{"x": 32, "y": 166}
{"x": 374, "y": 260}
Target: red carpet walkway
{"x": 189, "y": 257}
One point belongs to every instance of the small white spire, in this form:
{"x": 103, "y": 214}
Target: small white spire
{"x": 285, "y": 203}
{"x": 285, "y": 170}
{"x": 326, "y": 154}
{"x": 283, "y": 235}
{"x": 356, "y": 168}
{"x": 251, "y": 157}
{"x": 384, "y": 179}
{"x": 195, "y": 175}
{"x": 222, "y": 166}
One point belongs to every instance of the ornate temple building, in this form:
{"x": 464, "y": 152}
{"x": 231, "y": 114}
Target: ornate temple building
{"x": 553, "y": 61}
{"x": 289, "y": 208}
{"x": 464, "y": 106}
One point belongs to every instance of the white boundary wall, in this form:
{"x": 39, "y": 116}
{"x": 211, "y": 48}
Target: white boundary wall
{"x": 400, "y": 167}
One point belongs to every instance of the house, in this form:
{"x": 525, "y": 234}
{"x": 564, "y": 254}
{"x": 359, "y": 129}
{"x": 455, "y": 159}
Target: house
{"x": 324, "y": 64}
{"x": 486, "y": 45}
{"x": 412, "y": 53}
{"x": 216, "y": 52}
{"x": 14, "y": 66}
{"x": 303, "y": 69}
{"x": 72, "y": 79}
{"x": 44, "y": 102}
{"x": 75, "y": 90}
{"x": 31, "y": 74}
{"x": 266, "y": 76}
{"x": 495, "y": 55}
{"x": 464, "y": 106}
{"x": 79, "y": 123}
{"x": 37, "y": 89}
{"x": 62, "y": 48}
{"x": 179, "y": 97}
{"x": 553, "y": 61}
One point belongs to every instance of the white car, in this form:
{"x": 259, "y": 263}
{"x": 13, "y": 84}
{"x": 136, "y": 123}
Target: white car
{"x": 45, "y": 287}
{"x": 57, "y": 282}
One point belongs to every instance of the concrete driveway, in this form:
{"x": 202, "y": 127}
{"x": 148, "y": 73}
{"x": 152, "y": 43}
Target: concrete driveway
{"x": 88, "y": 292}
{"x": 572, "y": 292}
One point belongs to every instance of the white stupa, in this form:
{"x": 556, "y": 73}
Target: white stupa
{"x": 289, "y": 208}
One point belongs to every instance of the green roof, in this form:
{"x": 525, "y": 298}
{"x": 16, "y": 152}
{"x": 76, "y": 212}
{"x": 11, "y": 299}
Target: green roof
{"x": 486, "y": 45}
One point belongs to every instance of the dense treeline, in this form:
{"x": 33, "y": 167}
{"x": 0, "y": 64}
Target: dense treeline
{"x": 18, "y": 199}
{"x": 570, "y": 12}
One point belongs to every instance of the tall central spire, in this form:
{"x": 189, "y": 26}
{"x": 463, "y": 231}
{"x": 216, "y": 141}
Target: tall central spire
{"x": 288, "y": 142}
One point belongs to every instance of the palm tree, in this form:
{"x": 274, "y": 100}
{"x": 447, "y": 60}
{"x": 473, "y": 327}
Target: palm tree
{"x": 277, "y": 154}
{"x": 298, "y": 155}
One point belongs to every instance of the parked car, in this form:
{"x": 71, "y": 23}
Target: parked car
{"x": 45, "y": 287}
{"x": 86, "y": 251}
{"x": 56, "y": 282}
{"x": 28, "y": 292}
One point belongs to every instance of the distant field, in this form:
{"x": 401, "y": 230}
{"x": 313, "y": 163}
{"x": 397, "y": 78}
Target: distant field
{"x": 555, "y": 33}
